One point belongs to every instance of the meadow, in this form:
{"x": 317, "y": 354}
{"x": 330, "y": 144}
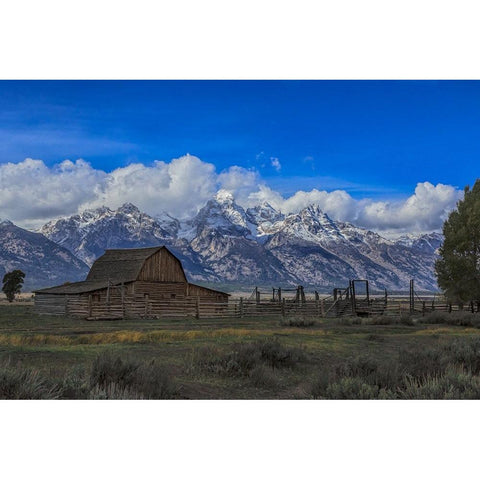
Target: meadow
{"x": 436, "y": 356}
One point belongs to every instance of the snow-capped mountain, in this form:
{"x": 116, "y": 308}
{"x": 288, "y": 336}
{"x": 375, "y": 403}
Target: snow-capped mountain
{"x": 89, "y": 234}
{"x": 427, "y": 242}
{"x": 226, "y": 243}
{"x": 224, "y": 239}
{"x": 44, "y": 262}
{"x": 264, "y": 220}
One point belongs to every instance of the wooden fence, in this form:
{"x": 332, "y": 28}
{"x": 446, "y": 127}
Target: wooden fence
{"x": 132, "y": 307}
{"x": 239, "y": 308}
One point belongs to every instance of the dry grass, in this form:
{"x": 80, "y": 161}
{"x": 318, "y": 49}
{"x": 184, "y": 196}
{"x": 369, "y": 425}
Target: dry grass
{"x": 131, "y": 336}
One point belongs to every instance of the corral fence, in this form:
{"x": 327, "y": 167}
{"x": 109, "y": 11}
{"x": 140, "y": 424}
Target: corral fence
{"x": 356, "y": 300}
{"x": 240, "y": 308}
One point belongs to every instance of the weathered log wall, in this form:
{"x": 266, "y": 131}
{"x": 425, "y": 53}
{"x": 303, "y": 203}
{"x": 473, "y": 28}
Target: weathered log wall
{"x": 50, "y": 304}
{"x": 162, "y": 267}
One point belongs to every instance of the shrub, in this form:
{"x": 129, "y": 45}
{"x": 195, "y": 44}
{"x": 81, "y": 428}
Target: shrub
{"x": 385, "y": 374}
{"x": 154, "y": 382}
{"x": 75, "y": 385}
{"x": 354, "y": 388}
{"x": 436, "y": 317}
{"x": 382, "y": 320}
{"x": 113, "y": 391}
{"x": 243, "y": 358}
{"x": 277, "y": 355}
{"x": 300, "y": 322}
{"x": 373, "y": 337}
{"x": 455, "y": 384}
{"x": 112, "y": 373}
{"x": 406, "y": 319}
{"x": 465, "y": 352}
{"x": 24, "y": 384}
{"x": 264, "y": 377}
{"x": 422, "y": 362}
{"x": 108, "y": 368}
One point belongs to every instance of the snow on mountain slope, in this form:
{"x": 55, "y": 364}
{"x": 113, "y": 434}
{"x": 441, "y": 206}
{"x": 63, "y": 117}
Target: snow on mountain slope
{"x": 89, "y": 234}
{"x": 427, "y": 242}
{"x": 260, "y": 245}
{"x": 44, "y": 262}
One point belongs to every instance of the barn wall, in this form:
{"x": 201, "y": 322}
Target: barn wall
{"x": 50, "y": 304}
{"x": 206, "y": 294}
{"x": 159, "y": 291}
{"x": 135, "y": 300}
{"x": 162, "y": 267}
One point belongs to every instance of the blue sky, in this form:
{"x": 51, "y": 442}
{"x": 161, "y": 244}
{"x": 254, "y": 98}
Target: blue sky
{"x": 374, "y": 138}
{"x": 392, "y": 156}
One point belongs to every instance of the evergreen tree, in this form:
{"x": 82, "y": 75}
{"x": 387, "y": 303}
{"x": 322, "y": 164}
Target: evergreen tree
{"x": 12, "y": 284}
{"x": 458, "y": 268}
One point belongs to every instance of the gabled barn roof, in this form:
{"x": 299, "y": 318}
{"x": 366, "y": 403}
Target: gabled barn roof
{"x": 73, "y": 288}
{"x": 122, "y": 265}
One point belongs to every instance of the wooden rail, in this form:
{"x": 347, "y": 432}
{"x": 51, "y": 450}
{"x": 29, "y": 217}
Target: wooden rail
{"x": 131, "y": 307}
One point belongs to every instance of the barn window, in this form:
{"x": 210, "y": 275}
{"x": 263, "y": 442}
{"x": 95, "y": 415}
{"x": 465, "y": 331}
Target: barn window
{"x": 173, "y": 295}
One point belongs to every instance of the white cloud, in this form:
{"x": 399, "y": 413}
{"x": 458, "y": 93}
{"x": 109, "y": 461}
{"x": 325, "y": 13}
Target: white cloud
{"x": 275, "y": 163}
{"x": 32, "y": 193}
{"x": 177, "y": 187}
{"x": 425, "y": 210}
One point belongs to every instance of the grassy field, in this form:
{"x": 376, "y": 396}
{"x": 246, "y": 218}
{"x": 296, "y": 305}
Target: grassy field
{"x": 53, "y": 357}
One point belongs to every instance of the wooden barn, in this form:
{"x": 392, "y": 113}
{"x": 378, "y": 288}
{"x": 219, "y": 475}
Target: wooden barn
{"x": 138, "y": 282}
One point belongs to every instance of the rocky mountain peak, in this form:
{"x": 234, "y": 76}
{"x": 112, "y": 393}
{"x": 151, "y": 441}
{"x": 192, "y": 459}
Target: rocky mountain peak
{"x": 227, "y": 243}
{"x": 224, "y": 197}
{"x": 129, "y": 209}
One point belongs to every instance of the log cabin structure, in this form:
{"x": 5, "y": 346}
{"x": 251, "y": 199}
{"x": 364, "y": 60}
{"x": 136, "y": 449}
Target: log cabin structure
{"x": 135, "y": 283}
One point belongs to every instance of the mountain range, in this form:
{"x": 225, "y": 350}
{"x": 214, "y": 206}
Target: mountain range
{"x": 225, "y": 243}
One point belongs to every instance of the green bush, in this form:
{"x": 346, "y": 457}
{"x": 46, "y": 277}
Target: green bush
{"x": 112, "y": 373}
{"x": 75, "y": 385}
{"x": 273, "y": 353}
{"x": 300, "y": 322}
{"x": 422, "y": 362}
{"x": 264, "y": 377}
{"x": 25, "y": 384}
{"x": 455, "y": 384}
{"x": 406, "y": 319}
{"x": 351, "y": 388}
{"x": 113, "y": 391}
{"x": 436, "y": 317}
{"x": 464, "y": 352}
{"x": 242, "y": 358}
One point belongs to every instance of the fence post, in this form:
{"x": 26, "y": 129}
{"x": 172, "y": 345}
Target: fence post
{"x": 123, "y": 301}
{"x": 283, "y": 308}
{"x": 412, "y": 297}
{"x": 90, "y": 305}
{"x": 241, "y": 307}
{"x": 423, "y": 309}
{"x": 197, "y": 308}
{"x": 322, "y": 307}
{"x": 146, "y": 305}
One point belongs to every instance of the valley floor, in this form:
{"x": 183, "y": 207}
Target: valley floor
{"x": 422, "y": 357}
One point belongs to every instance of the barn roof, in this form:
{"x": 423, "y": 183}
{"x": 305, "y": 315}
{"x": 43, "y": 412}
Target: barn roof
{"x": 72, "y": 288}
{"x": 121, "y": 265}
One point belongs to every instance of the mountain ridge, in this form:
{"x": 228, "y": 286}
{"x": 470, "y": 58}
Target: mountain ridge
{"x": 226, "y": 243}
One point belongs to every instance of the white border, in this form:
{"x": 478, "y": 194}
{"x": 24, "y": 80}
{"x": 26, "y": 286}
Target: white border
{"x": 239, "y": 40}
